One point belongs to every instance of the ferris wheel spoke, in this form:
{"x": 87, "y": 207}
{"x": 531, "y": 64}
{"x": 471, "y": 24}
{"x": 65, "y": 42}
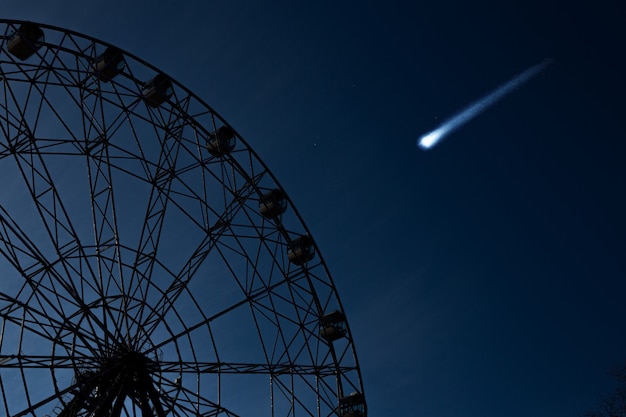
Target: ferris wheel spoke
{"x": 40, "y": 323}
{"x": 288, "y": 305}
{"x": 296, "y": 336}
{"x": 105, "y": 229}
{"x": 51, "y": 210}
{"x": 102, "y": 201}
{"x": 207, "y": 320}
{"x": 39, "y": 84}
{"x": 275, "y": 369}
{"x": 181, "y": 401}
{"x": 283, "y": 388}
{"x": 48, "y": 281}
{"x": 72, "y": 258}
{"x": 31, "y": 264}
{"x": 160, "y": 197}
{"x": 20, "y": 361}
{"x": 37, "y": 176}
{"x": 33, "y": 407}
{"x": 179, "y": 283}
{"x": 221, "y": 226}
{"x": 110, "y": 271}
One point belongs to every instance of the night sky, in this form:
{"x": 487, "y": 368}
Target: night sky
{"x": 484, "y": 277}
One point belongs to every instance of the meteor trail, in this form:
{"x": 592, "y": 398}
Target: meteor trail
{"x": 430, "y": 139}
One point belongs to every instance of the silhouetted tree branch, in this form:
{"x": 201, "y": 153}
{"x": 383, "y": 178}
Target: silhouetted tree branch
{"x": 615, "y": 404}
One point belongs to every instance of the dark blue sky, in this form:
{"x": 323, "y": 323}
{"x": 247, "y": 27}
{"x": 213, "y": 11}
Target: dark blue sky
{"x": 483, "y": 277}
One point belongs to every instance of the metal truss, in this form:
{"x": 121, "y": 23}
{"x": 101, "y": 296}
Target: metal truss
{"x": 151, "y": 264}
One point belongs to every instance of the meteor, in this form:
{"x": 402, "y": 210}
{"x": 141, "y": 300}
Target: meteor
{"x": 432, "y": 138}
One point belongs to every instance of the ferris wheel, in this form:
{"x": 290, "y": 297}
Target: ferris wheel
{"x": 151, "y": 265}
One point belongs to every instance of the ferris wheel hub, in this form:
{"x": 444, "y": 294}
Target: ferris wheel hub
{"x": 126, "y": 375}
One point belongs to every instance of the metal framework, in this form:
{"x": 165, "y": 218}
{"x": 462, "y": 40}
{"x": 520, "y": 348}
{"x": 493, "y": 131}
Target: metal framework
{"x": 151, "y": 265}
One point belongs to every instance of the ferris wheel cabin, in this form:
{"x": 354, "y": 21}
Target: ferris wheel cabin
{"x": 273, "y": 204}
{"x": 352, "y": 406}
{"x": 109, "y": 64}
{"x": 156, "y": 91}
{"x": 333, "y": 326}
{"x": 301, "y": 250}
{"x": 222, "y": 141}
{"x": 25, "y": 41}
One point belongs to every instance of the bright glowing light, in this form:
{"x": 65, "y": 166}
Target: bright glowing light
{"x": 432, "y": 138}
